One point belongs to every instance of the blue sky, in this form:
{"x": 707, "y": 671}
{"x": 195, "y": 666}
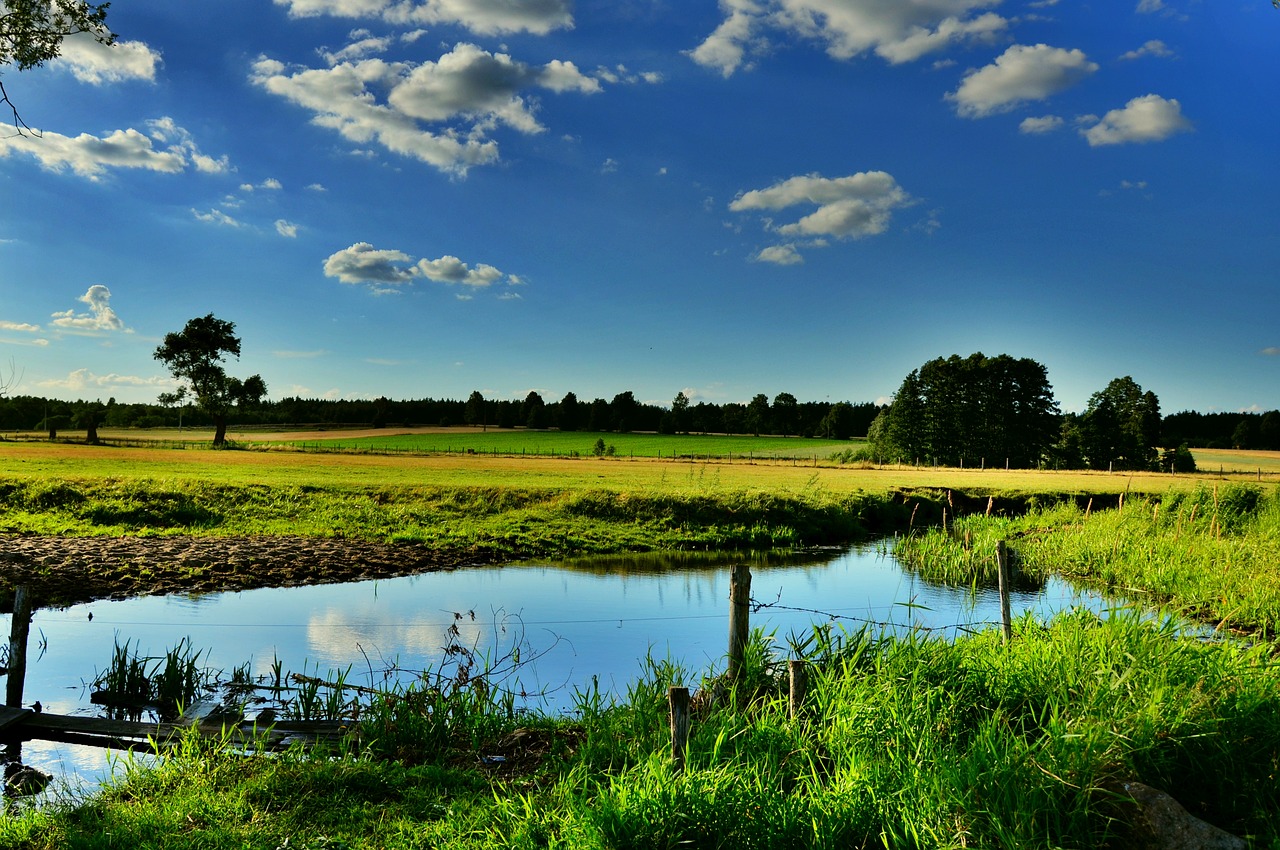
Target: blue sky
{"x": 420, "y": 198}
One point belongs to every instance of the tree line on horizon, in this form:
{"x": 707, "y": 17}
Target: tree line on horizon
{"x": 977, "y": 410}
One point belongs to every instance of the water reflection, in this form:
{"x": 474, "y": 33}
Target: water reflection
{"x": 582, "y": 618}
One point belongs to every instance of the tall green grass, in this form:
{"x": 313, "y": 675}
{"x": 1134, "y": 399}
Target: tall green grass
{"x": 502, "y": 520}
{"x": 1212, "y": 554}
{"x": 913, "y": 742}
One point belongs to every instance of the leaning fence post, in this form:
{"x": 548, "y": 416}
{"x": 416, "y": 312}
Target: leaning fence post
{"x": 739, "y": 617}
{"x": 678, "y": 700}
{"x": 798, "y": 673}
{"x": 18, "y": 632}
{"x": 1002, "y": 573}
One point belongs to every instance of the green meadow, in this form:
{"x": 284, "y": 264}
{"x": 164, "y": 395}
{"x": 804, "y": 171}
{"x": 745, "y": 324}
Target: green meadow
{"x": 914, "y": 741}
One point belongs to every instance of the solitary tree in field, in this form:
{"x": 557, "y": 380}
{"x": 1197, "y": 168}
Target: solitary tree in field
{"x": 194, "y": 356}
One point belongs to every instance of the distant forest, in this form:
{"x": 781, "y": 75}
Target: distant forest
{"x": 782, "y": 415}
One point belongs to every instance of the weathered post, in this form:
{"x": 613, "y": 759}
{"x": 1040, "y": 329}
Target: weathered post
{"x": 678, "y": 700}
{"x": 739, "y": 617}
{"x": 18, "y": 632}
{"x": 798, "y": 673}
{"x": 1002, "y": 572}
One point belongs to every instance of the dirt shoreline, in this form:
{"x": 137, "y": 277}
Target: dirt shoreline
{"x": 69, "y": 570}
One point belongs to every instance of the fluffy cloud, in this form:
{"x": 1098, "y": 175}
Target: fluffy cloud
{"x": 449, "y": 269}
{"x": 382, "y": 269}
{"x": 100, "y": 316}
{"x": 1155, "y": 47}
{"x": 216, "y": 216}
{"x": 1038, "y": 126}
{"x": 287, "y": 229}
{"x": 1149, "y": 118}
{"x": 362, "y": 263}
{"x": 1018, "y": 75}
{"x": 850, "y": 207}
{"x": 19, "y": 326}
{"x": 90, "y": 156}
{"x": 467, "y": 93}
{"x": 93, "y": 62}
{"x": 781, "y": 255}
{"x": 84, "y": 379}
{"x": 900, "y": 31}
{"x": 487, "y": 17}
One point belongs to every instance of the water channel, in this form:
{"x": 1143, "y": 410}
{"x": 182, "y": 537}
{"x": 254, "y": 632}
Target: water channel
{"x": 589, "y": 618}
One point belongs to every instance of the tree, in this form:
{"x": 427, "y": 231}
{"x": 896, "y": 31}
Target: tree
{"x": 8, "y": 382}
{"x": 474, "y": 411}
{"x": 1120, "y": 428}
{"x": 757, "y": 420}
{"x": 533, "y": 411}
{"x": 623, "y": 411}
{"x": 194, "y": 357}
{"x": 680, "y": 413}
{"x": 838, "y": 423}
{"x": 567, "y": 413}
{"x": 32, "y": 31}
{"x": 786, "y": 412}
{"x": 993, "y": 409}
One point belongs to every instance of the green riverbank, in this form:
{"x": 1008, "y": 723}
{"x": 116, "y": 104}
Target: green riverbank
{"x": 913, "y": 742}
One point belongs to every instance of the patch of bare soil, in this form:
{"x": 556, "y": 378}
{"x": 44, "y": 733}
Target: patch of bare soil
{"x": 67, "y": 570}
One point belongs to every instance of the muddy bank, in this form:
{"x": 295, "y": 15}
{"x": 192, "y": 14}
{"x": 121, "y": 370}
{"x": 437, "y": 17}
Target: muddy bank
{"x": 67, "y": 570}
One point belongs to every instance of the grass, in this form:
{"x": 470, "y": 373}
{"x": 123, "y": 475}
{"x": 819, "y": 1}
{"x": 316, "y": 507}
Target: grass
{"x": 915, "y": 742}
{"x": 581, "y": 443}
{"x": 1212, "y": 554}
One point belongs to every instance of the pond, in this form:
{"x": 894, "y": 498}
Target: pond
{"x": 571, "y": 622}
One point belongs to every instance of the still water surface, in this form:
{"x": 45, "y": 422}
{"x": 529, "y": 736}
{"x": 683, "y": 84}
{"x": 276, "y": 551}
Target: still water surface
{"x": 587, "y": 618}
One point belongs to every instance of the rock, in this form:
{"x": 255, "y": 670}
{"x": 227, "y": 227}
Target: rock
{"x": 1156, "y": 821}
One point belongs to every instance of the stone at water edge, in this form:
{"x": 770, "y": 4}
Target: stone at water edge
{"x": 1156, "y": 821}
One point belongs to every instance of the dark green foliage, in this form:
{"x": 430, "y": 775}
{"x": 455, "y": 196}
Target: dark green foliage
{"x": 979, "y": 410}
{"x": 1120, "y": 429}
{"x": 194, "y": 356}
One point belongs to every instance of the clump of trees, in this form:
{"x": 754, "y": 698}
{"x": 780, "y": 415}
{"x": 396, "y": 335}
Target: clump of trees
{"x": 973, "y": 410}
{"x": 981, "y": 410}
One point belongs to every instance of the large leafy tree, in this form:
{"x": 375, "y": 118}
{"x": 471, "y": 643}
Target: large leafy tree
{"x": 1120, "y": 429}
{"x": 971, "y": 410}
{"x": 194, "y": 356}
{"x": 32, "y": 31}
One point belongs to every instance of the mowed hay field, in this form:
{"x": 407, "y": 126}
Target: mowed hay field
{"x": 74, "y": 461}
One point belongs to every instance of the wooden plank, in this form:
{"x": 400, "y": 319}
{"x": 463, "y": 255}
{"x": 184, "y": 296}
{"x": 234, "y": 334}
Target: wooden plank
{"x": 130, "y": 734}
{"x": 12, "y": 716}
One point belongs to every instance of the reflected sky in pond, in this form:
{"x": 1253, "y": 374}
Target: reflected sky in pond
{"x": 597, "y": 617}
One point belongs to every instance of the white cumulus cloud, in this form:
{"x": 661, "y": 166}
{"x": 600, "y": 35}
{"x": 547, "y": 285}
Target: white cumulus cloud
{"x": 487, "y": 17}
{"x": 100, "y": 317}
{"x": 1040, "y": 125}
{"x": 382, "y": 269}
{"x": 781, "y": 255}
{"x": 850, "y": 207}
{"x": 96, "y": 63}
{"x": 287, "y": 229}
{"x": 895, "y": 30}
{"x": 1022, "y": 73}
{"x": 461, "y": 98}
{"x": 1154, "y": 47}
{"x": 1150, "y": 118}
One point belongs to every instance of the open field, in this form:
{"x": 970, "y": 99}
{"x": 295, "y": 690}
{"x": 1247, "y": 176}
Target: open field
{"x": 77, "y": 461}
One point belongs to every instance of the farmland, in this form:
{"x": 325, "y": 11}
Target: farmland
{"x": 899, "y": 737}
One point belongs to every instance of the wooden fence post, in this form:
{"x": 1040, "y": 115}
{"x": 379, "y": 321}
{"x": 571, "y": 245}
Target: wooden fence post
{"x": 1002, "y": 572}
{"x": 798, "y": 673}
{"x": 678, "y": 700}
{"x": 18, "y": 632}
{"x": 739, "y": 617}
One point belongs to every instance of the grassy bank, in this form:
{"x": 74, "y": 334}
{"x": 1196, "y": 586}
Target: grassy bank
{"x": 909, "y": 743}
{"x": 1212, "y": 553}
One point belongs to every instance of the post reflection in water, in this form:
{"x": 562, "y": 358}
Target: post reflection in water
{"x": 579, "y": 619}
